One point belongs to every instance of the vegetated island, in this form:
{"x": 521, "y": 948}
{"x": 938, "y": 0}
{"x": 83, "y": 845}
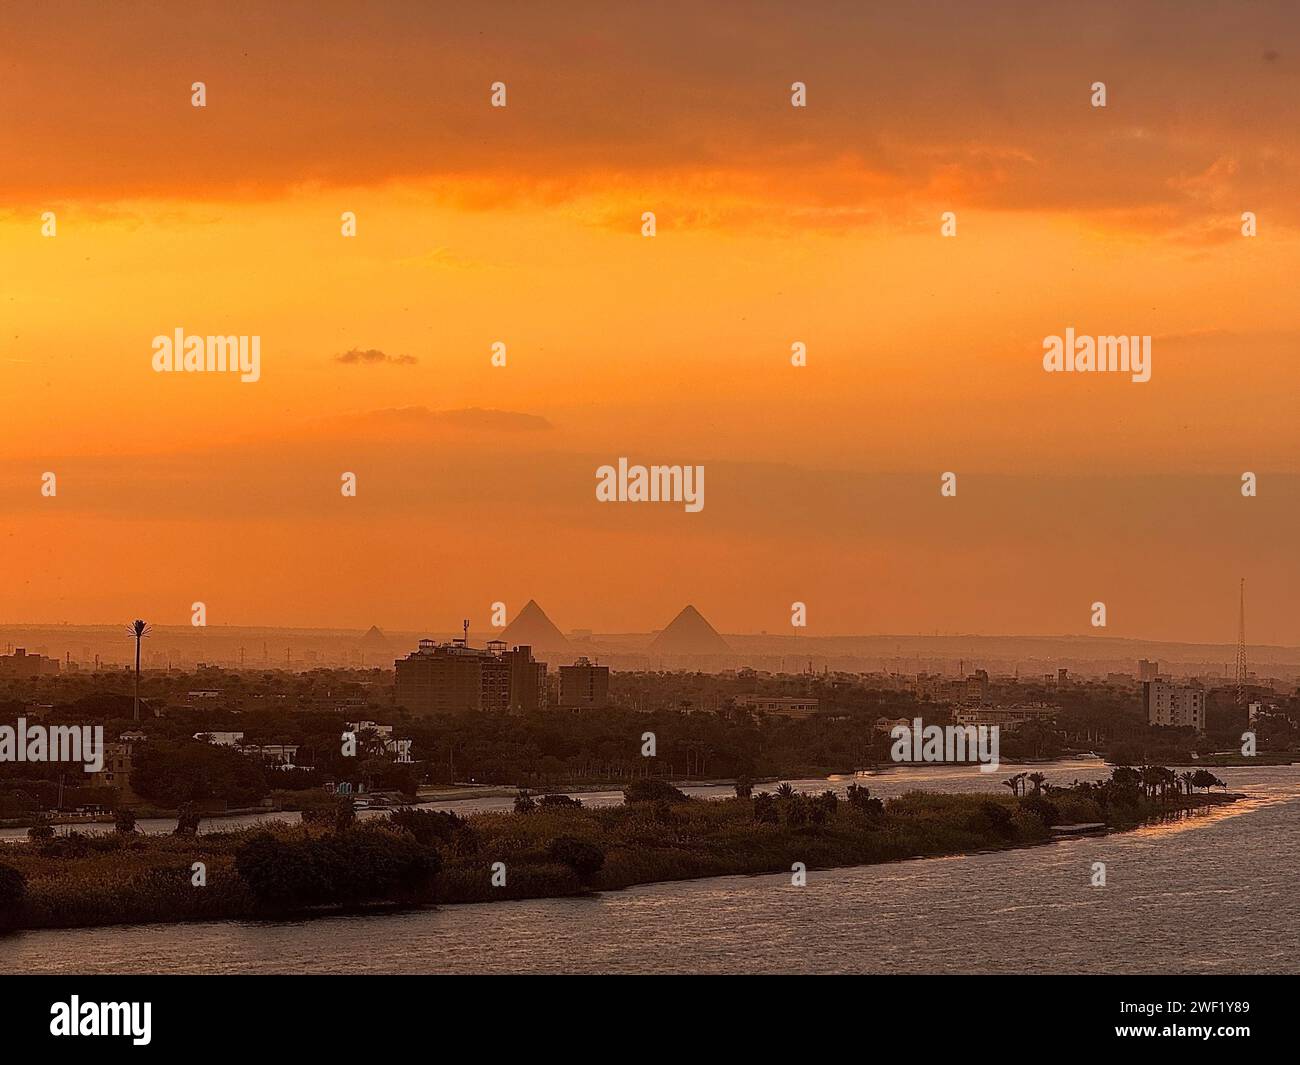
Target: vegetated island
{"x": 551, "y": 846}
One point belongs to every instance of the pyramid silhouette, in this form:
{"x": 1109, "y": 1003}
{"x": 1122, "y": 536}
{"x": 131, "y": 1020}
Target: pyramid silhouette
{"x": 533, "y": 628}
{"x": 374, "y": 636}
{"x": 689, "y": 634}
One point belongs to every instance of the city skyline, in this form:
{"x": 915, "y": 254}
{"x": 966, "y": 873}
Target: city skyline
{"x": 445, "y": 628}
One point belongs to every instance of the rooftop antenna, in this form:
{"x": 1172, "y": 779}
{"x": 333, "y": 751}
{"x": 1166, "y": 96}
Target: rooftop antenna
{"x": 1241, "y": 648}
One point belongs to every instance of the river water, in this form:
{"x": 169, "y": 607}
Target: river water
{"x": 1215, "y": 893}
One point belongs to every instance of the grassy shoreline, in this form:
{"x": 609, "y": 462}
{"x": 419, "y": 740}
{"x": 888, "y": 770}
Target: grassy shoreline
{"x": 421, "y": 858}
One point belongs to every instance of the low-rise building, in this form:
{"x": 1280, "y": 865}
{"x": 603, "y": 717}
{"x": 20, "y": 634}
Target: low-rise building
{"x": 280, "y": 755}
{"x": 116, "y": 773}
{"x": 21, "y": 664}
{"x": 783, "y": 706}
{"x": 221, "y": 739}
{"x": 1006, "y": 717}
{"x": 398, "y": 749}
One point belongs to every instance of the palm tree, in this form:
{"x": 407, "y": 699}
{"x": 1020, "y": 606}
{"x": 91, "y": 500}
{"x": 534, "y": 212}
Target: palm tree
{"x": 1150, "y": 776}
{"x": 1037, "y": 780}
{"x": 785, "y": 791}
{"x": 1170, "y": 780}
{"x": 1016, "y": 783}
{"x": 139, "y": 629}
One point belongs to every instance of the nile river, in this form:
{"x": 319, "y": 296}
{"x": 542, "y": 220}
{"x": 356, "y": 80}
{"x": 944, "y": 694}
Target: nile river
{"x": 1215, "y": 893}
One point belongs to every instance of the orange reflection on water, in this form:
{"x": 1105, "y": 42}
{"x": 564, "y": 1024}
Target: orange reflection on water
{"x": 1206, "y": 816}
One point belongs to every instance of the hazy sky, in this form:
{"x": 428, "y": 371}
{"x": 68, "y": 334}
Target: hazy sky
{"x": 775, "y": 224}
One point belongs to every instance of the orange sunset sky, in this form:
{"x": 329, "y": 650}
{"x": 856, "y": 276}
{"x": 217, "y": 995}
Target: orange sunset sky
{"x": 775, "y": 224}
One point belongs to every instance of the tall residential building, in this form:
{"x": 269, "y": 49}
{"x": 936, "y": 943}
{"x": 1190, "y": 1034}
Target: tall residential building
{"x": 452, "y": 678}
{"x": 584, "y": 686}
{"x": 1173, "y": 707}
{"x": 1148, "y": 670}
{"x": 527, "y": 680}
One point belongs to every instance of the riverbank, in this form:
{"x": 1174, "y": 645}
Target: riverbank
{"x": 420, "y": 857}
{"x": 72, "y": 820}
{"x": 1241, "y": 761}
{"x": 311, "y": 799}
{"x": 279, "y": 802}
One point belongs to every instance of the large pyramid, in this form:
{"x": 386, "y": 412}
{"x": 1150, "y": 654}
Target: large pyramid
{"x": 689, "y": 634}
{"x": 533, "y": 628}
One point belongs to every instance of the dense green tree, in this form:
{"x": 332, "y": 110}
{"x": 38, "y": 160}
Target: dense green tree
{"x": 559, "y": 802}
{"x": 584, "y": 858}
{"x": 187, "y": 820}
{"x": 1203, "y": 778}
{"x": 192, "y": 771}
{"x": 13, "y": 886}
{"x": 652, "y": 790}
{"x": 351, "y": 867}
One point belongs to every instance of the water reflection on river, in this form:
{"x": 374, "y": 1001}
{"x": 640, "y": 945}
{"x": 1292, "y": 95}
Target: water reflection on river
{"x": 1211, "y": 893}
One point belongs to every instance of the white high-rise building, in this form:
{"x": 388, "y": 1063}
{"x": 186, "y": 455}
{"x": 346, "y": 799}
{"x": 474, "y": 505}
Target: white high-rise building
{"x": 1173, "y": 707}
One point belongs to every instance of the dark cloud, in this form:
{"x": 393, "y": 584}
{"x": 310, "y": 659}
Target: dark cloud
{"x": 467, "y": 418}
{"x": 374, "y": 357}
{"x": 971, "y": 105}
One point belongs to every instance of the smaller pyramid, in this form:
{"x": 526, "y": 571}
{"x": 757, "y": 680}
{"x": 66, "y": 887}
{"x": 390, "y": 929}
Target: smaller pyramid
{"x": 531, "y": 627}
{"x": 374, "y": 636}
{"x": 689, "y": 634}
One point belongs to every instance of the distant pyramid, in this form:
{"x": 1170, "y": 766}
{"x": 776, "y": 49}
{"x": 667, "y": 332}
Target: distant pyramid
{"x": 532, "y": 628}
{"x": 689, "y": 634}
{"x": 374, "y": 636}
